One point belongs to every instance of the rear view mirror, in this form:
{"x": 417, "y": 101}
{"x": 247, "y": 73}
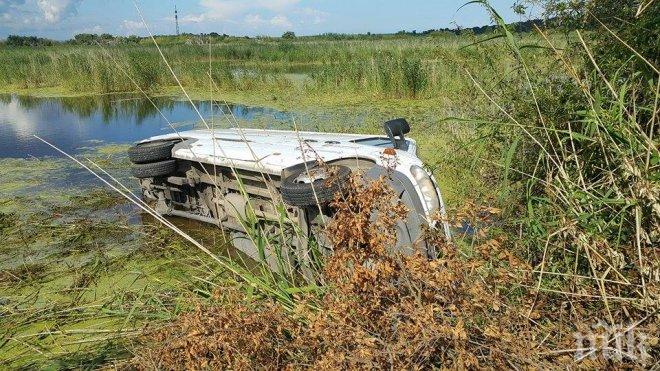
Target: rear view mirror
{"x": 397, "y": 127}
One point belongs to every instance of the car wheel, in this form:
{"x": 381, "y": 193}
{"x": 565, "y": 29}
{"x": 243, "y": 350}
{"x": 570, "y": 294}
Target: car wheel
{"x": 319, "y": 184}
{"x": 154, "y": 169}
{"x": 158, "y": 150}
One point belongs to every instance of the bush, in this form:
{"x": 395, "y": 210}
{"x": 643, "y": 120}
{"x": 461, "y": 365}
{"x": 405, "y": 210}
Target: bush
{"x": 623, "y": 37}
{"x": 589, "y": 164}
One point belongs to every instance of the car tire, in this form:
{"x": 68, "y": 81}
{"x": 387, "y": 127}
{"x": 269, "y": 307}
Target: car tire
{"x": 147, "y": 152}
{"x": 154, "y": 169}
{"x": 296, "y": 193}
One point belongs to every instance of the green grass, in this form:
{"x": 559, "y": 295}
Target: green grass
{"x": 407, "y": 67}
{"x": 578, "y": 147}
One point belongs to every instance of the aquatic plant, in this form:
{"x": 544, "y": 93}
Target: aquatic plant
{"x": 6, "y": 222}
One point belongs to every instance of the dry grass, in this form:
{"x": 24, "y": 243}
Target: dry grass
{"x": 23, "y": 272}
{"x": 467, "y": 309}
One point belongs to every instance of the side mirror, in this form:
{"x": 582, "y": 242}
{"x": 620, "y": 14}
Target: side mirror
{"x": 397, "y": 127}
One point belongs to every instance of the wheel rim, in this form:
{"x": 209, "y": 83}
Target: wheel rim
{"x": 312, "y": 176}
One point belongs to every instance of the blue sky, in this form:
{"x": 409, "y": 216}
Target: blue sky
{"x": 61, "y": 19}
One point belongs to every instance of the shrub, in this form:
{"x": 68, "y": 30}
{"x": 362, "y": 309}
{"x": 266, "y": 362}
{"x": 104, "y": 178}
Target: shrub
{"x": 589, "y": 165}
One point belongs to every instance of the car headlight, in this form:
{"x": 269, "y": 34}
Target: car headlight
{"x": 427, "y": 187}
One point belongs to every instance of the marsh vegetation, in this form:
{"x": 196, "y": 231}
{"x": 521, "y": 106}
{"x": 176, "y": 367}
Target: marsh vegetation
{"x": 546, "y": 144}
{"x": 400, "y": 67}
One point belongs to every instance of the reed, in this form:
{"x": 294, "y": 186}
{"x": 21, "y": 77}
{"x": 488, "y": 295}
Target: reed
{"x": 405, "y": 67}
{"x": 579, "y": 150}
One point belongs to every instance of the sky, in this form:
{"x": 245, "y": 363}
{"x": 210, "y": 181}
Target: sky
{"x": 61, "y": 19}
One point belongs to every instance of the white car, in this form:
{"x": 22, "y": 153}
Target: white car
{"x": 238, "y": 179}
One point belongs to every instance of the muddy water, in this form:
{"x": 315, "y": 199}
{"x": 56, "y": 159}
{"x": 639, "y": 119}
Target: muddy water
{"x": 75, "y": 124}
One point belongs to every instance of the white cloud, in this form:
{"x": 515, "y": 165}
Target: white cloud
{"x": 254, "y": 20}
{"x": 97, "y": 29}
{"x": 191, "y": 18}
{"x": 16, "y": 14}
{"x": 131, "y": 26}
{"x": 281, "y": 21}
{"x": 7, "y": 4}
{"x": 275, "y": 5}
{"x": 255, "y": 13}
{"x": 313, "y": 16}
{"x": 217, "y": 10}
{"x": 224, "y": 8}
{"x": 36, "y": 13}
{"x": 55, "y": 10}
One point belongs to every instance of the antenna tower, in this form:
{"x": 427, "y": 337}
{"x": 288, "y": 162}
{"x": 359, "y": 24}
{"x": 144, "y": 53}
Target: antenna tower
{"x": 176, "y": 20}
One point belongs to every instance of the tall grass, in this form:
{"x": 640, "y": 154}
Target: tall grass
{"x": 581, "y": 149}
{"x": 413, "y": 67}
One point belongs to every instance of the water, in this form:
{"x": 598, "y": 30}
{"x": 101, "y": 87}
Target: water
{"x": 75, "y": 124}
{"x": 37, "y": 180}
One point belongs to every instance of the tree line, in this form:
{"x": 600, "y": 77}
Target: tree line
{"x": 108, "y": 39}
{"x": 79, "y": 39}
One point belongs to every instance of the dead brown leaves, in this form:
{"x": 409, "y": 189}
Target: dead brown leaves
{"x": 238, "y": 336}
{"x": 381, "y": 309}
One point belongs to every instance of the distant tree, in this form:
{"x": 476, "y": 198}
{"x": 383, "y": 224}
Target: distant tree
{"x": 132, "y": 39}
{"x": 289, "y": 35}
{"x": 15, "y": 40}
{"x": 85, "y": 39}
{"x": 105, "y": 38}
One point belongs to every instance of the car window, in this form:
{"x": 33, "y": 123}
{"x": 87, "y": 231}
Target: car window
{"x": 376, "y": 142}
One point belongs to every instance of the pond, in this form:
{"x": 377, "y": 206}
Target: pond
{"x": 76, "y": 124}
